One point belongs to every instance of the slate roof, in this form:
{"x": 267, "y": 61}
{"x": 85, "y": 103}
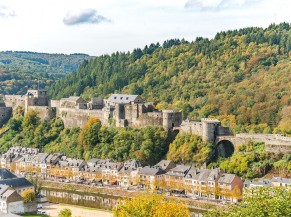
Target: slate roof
{"x": 6, "y": 174}
{"x": 151, "y": 171}
{"x": 131, "y": 165}
{"x": 3, "y": 188}
{"x": 179, "y": 170}
{"x": 40, "y": 157}
{"x": 93, "y": 160}
{"x": 226, "y": 178}
{"x": 122, "y": 98}
{"x": 164, "y": 164}
{"x": 16, "y": 182}
{"x": 263, "y": 183}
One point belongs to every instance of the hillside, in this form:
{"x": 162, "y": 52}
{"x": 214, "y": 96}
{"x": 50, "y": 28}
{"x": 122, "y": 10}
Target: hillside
{"x": 241, "y": 76}
{"x": 21, "y": 70}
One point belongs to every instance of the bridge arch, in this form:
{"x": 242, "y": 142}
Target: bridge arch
{"x": 224, "y": 149}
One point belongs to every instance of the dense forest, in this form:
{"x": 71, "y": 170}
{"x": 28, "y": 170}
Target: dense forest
{"x": 241, "y": 76}
{"x": 22, "y": 70}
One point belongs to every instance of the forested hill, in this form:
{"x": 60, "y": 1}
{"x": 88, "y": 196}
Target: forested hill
{"x": 241, "y": 76}
{"x": 21, "y": 70}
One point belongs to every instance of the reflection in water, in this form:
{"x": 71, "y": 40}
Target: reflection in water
{"x": 99, "y": 201}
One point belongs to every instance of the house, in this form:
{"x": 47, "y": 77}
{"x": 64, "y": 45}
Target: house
{"x": 259, "y": 183}
{"x": 174, "y": 178}
{"x": 229, "y": 187}
{"x": 128, "y": 175}
{"x": 91, "y": 173}
{"x": 278, "y": 181}
{"x": 165, "y": 165}
{"x": 151, "y": 177}
{"x": 110, "y": 172}
{"x": 8, "y": 160}
{"x": 68, "y": 168}
{"x": 10, "y": 200}
{"x": 48, "y": 163}
{"x": 202, "y": 182}
{"x": 19, "y": 184}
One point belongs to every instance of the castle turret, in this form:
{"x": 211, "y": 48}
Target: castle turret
{"x": 171, "y": 119}
{"x": 209, "y": 129}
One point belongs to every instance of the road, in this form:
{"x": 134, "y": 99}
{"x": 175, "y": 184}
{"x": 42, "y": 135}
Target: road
{"x": 53, "y": 210}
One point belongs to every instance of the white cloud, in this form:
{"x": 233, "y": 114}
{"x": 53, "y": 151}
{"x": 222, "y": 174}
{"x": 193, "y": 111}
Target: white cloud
{"x": 6, "y": 12}
{"x": 84, "y": 16}
{"x": 39, "y": 25}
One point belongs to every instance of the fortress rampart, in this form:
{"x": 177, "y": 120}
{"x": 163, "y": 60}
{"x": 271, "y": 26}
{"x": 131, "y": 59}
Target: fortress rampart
{"x": 126, "y": 110}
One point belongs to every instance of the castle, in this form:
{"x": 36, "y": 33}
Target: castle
{"x": 121, "y": 109}
{"x": 131, "y": 111}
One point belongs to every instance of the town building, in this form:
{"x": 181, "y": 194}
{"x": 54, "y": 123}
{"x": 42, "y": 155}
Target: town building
{"x": 229, "y": 187}
{"x": 278, "y": 181}
{"x": 151, "y": 177}
{"x": 10, "y": 200}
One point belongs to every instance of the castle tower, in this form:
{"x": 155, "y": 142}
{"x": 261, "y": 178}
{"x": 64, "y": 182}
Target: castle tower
{"x": 171, "y": 119}
{"x": 209, "y": 129}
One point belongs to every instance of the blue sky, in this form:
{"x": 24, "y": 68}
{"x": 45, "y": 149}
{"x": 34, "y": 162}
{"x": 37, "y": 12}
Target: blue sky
{"x": 100, "y": 27}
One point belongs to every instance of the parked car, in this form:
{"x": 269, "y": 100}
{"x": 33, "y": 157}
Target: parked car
{"x": 42, "y": 212}
{"x": 39, "y": 206}
{"x": 168, "y": 193}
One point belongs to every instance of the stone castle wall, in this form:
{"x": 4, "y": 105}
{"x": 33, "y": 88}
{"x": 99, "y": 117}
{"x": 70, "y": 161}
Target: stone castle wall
{"x": 44, "y": 112}
{"x": 14, "y": 101}
{"x": 5, "y": 114}
{"x": 149, "y": 119}
{"x": 79, "y": 117}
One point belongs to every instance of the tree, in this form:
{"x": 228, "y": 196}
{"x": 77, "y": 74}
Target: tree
{"x": 28, "y": 196}
{"x": 148, "y": 205}
{"x": 259, "y": 202}
{"x": 65, "y": 213}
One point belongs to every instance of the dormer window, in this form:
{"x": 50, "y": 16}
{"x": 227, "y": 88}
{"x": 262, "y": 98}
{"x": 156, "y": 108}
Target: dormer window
{"x": 126, "y": 98}
{"x": 121, "y": 97}
{"x": 115, "y": 97}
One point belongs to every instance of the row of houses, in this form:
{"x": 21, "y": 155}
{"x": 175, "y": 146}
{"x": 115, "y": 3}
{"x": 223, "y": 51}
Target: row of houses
{"x": 164, "y": 176}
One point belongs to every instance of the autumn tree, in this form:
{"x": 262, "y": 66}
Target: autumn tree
{"x": 28, "y": 196}
{"x": 65, "y": 213}
{"x": 151, "y": 206}
{"x": 259, "y": 202}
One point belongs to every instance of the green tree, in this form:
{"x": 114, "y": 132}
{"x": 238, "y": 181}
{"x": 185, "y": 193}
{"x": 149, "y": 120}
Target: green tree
{"x": 259, "y": 202}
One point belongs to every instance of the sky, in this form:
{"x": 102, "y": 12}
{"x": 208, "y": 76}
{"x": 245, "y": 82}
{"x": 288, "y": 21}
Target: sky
{"x": 97, "y": 27}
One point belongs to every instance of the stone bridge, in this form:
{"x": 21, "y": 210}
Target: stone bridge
{"x": 226, "y": 145}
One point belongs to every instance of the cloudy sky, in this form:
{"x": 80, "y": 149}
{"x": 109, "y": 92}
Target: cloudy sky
{"x": 104, "y": 26}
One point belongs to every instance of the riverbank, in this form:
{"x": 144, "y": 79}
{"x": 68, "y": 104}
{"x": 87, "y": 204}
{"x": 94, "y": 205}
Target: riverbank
{"x": 86, "y": 195}
{"x": 53, "y": 210}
